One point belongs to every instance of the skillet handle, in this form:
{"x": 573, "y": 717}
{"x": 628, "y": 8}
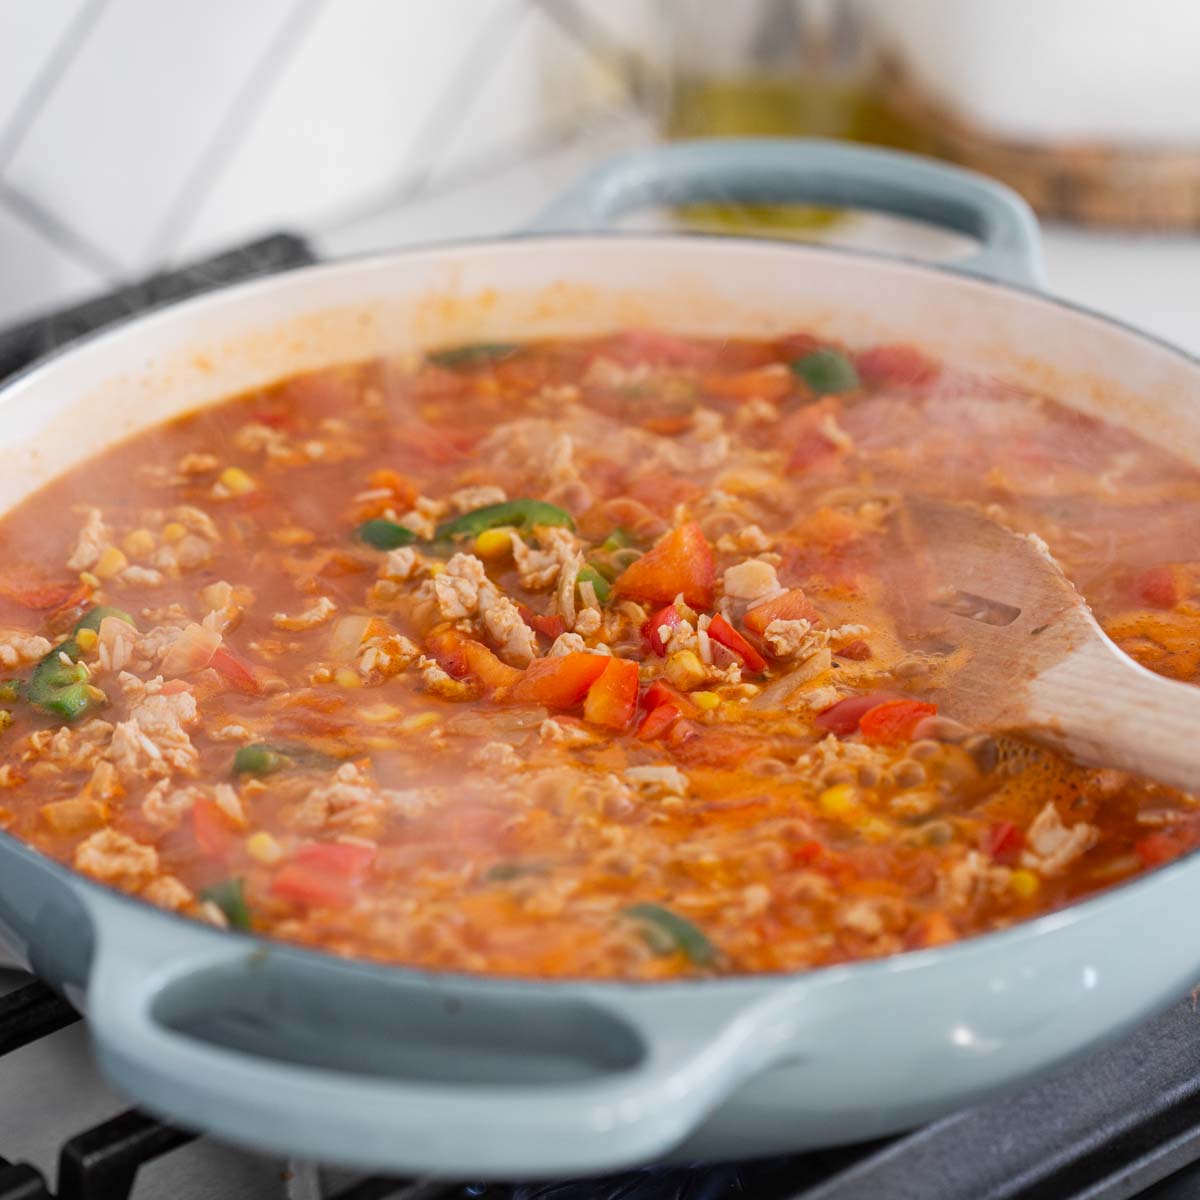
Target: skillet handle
{"x": 811, "y": 171}
{"x": 389, "y": 1070}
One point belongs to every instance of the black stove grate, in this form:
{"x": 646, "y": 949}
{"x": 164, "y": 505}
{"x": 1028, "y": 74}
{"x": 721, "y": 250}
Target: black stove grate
{"x": 1124, "y": 1123}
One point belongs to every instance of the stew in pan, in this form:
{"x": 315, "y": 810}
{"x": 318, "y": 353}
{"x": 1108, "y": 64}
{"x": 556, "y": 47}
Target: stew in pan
{"x": 576, "y": 658}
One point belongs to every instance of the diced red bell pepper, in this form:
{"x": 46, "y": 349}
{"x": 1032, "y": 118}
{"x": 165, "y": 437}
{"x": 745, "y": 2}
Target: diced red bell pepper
{"x": 27, "y": 586}
{"x": 551, "y": 626}
{"x": 488, "y": 668}
{"x": 447, "y": 646}
{"x": 212, "y": 829}
{"x": 765, "y": 383}
{"x": 843, "y": 717}
{"x": 1158, "y": 587}
{"x": 460, "y": 656}
{"x": 657, "y": 721}
{"x": 612, "y": 700}
{"x": 892, "y": 723}
{"x": 899, "y": 364}
{"x": 325, "y": 874}
{"x": 807, "y": 853}
{"x": 720, "y": 630}
{"x": 303, "y": 883}
{"x": 680, "y": 562}
{"x": 1158, "y": 848}
{"x": 235, "y": 671}
{"x": 810, "y": 449}
{"x": 1002, "y": 842}
{"x": 340, "y": 858}
{"x": 856, "y": 651}
{"x": 792, "y": 605}
{"x": 663, "y": 693}
{"x": 669, "y": 616}
{"x": 559, "y": 682}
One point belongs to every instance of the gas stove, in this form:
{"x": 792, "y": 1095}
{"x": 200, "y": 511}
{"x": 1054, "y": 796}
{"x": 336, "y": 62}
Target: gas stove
{"x": 1122, "y": 1123}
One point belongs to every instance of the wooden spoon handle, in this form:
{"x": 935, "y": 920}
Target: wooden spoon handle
{"x": 1104, "y": 709}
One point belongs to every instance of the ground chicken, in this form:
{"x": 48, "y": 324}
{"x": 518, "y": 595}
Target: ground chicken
{"x": 566, "y": 643}
{"x": 468, "y": 499}
{"x": 164, "y": 805}
{"x": 153, "y": 742}
{"x": 316, "y": 614}
{"x": 349, "y": 802}
{"x": 94, "y": 538}
{"x": 497, "y": 755}
{"x": 399, "y": 565}
{"x": 515, "y": 641}
{"x": 751, "y": 580}
{"x": 1052, "y": 846}
{"x": 793, "y": 639}
{"x": 168, "y": 892}
{"x": 438, "y": 683}
{"x": 116, "y": 858}
{"x": 18, "y": 648}
{"x": 538, "y": 567}
{"x": 383, "y": 657}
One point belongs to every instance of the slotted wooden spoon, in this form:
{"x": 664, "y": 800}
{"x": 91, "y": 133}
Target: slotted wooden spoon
{"x": 1038, "y": 662}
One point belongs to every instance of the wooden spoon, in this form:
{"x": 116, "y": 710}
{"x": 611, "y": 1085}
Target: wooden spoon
{"x": 1038, "y": 663}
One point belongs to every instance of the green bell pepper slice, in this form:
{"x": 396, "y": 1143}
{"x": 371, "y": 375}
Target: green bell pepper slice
{"x": 477, "y": 354}
{"x": 827, "y": 372}
{"x": 385, "y": 535}
{"x": 521, "y": 514}
{"x": 591, "y": 574}
{"x": 667, "y": 932}
{"x": 230, "y": 897}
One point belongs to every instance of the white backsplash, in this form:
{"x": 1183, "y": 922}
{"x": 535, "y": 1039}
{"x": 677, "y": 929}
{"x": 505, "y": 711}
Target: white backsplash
{"x": 134, "y": 133}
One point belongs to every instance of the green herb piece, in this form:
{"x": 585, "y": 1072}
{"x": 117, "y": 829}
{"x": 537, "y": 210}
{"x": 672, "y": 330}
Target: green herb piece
{"x": 619, "y": 539}
{"x": 476, "y": 355}
{"x": 261, "y": 759}
{"x": 385, "y": 535}
{"x": 523, "y": 513}
{"x": 590, "y": 574}
{"x": 667, "y": 932}
{"x": 59, "y": 683}
{"x": 827, "y": 372}
{"x": 11, "y": 690}
{"x": 91, "y": 620}
{"x": 230, "y": 897}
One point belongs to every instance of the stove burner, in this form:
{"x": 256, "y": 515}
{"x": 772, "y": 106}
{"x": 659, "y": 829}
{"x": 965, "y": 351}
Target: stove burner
{"x": 1124, "y": 1123}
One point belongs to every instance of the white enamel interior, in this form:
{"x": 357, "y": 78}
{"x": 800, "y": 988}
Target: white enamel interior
{"x": 199, "y": 352}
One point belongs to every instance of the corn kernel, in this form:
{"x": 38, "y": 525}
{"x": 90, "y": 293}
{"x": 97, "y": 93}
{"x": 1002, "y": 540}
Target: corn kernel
{"x": 421, "y": 720}
{"x": 493, "y": 543}
{"x": 111, "y": 562}
{"x": 875, "y": 830}
{"x": 838, "y": 801}
{"x": 174, "y": 532}
{"x": 436, "y": 568}
{"x": 139, "y": 543}
{"x": 88, "y": 578}
{"x": 684, "y": 670}
{"x": 1024, "y": 883}
{"x": 86, "y": 639}
{"x": 265, "y": 848}
{"x": 705, "y": 700}
{"x": 344, "y": 677}
{"x": 236, "y": 481}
